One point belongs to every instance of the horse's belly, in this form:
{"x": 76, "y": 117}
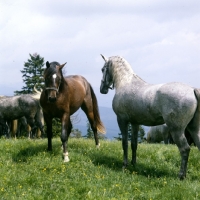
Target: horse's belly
{"x": 150, "y": 121}
{"x": 137, "y": 111}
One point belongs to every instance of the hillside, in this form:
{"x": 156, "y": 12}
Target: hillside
{"x": 108, "y": 117}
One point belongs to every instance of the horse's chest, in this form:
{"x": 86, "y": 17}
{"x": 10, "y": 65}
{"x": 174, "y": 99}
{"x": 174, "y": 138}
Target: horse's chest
{"x": 123, "y": 101}
{"x": 54, "y": 109}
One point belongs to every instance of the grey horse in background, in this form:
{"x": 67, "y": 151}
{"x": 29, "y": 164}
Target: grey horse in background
{"x": 27, "y": 106}
{"x": 157, "y": 134}
{"x": 141, "y": 103}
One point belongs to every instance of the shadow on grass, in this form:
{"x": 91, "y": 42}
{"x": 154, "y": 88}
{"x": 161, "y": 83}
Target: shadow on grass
{"x": 115, "y": 163}
{"x": 25, "y": 154}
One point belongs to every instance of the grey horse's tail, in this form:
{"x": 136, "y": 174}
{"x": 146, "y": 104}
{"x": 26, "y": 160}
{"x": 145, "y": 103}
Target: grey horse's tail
{"x": 197, "y": 94}
{"x": 194, "y": 125}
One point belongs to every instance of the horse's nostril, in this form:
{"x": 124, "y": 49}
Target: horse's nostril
{"x": 52, "y": 99}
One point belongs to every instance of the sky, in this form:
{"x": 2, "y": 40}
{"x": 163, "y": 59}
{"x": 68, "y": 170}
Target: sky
{"x": 159, "y": 38}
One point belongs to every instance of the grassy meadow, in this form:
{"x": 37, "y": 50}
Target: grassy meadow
{"x": 28, "y": 171}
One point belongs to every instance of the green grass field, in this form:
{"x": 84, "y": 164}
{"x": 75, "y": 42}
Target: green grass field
{"x": 28, "y": 171}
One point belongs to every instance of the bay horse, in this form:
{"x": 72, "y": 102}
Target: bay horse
{"x": 141, "y": 103}
{"x": 62, "y": 97}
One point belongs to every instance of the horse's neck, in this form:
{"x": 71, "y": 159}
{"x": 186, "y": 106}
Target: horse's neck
{"x": 63, "y": 84}
{"x": 123, "y": 78}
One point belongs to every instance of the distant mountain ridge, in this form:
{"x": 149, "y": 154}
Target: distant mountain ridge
{"x": 108, "y": 118}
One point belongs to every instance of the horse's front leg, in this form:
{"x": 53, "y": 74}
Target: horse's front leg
{"x": 48, "y": 121}
{"x": 66, "y": 130}
{"x": 134, "y": 142}
{"x": 123, "y": 126}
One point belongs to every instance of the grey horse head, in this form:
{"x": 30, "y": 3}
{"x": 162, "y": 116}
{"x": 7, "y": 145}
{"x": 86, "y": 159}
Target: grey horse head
{"x": 107, "y": 79}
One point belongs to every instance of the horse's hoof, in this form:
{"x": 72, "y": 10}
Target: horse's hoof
{"x": 124, "y": 166}
{"x": 66, "y": 157}
{"x": 98, "y": 146}
{"x": 182, "y": 176}
{"x": 133, "y": 162}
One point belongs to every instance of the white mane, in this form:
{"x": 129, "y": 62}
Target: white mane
{"x": 122, "y": 71}
{"x": 36, "y": 94}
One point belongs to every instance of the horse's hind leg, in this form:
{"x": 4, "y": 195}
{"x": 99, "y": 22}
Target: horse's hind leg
{"x": 88, "y": 110}
{"x": 181, "y": 141}
{"x": 31, "y": 123}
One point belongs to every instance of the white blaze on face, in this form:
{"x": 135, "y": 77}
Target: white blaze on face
{"x": 54, "y": 78}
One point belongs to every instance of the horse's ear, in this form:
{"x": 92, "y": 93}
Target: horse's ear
{"x": 61, "y": 66}
{"x": 47, "y": 64}
{"x": 106, "y": 59}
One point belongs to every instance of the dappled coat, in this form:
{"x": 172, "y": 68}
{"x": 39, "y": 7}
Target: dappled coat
{"x": 157, "y": 134}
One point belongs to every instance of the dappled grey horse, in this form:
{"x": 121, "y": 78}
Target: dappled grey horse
{"x": 140, "y": 103}
{"x": 27, "y": 106}
{"x": 157, "y": 134}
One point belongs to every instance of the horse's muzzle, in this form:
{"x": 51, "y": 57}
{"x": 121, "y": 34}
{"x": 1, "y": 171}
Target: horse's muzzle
{"x": 103, "y": 89}
{"x": 52, "y": 99}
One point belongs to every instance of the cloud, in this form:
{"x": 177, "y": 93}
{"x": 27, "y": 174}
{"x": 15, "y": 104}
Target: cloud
{"x": 160, "y": 39}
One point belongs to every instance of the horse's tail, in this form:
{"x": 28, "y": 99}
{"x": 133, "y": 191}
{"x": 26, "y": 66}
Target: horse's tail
{"x": 36, "y": 94}
{"x": 197, "y": 112}
{"x": 100, "y": 126}
{"x": 197, "y": 94}
{"x": 194, "y": 125}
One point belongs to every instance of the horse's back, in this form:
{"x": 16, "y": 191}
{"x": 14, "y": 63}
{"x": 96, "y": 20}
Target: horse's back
{"x": 76, "y": 80}
{"x": 18, "y": 106}
{"x": 178, "y": 93}
{"x": 78, "y": 85}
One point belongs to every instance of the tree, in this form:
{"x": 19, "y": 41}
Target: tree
{"x": 141, "y": 134}
{"x": 90, "y": 133}
{"x": 75, "y": 133}
{"x": 32, "y": 74}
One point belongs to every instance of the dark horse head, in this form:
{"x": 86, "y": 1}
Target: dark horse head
{"x": 53, "y": 77}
